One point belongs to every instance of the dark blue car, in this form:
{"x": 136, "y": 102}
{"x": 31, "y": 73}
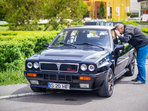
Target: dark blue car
{"x": 81, "y": 58}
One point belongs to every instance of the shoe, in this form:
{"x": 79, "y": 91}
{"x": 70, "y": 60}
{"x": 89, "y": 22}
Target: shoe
{"x": 136, "y": 81}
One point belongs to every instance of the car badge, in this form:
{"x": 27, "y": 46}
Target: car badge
{"x": 58, "y": 65}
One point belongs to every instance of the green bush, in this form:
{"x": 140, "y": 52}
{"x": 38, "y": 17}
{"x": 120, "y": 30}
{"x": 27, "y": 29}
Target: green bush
{"x": 130, "y": 22}
{"x": 16, "y": 46}
{"x": 10, "y": 55}
{"x": 25, "y": 27}
{"x": 145, "y": 30}
{"x": 128, "y": 13}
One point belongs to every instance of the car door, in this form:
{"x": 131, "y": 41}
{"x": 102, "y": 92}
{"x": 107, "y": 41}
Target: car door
{"x": 122, "y": 59}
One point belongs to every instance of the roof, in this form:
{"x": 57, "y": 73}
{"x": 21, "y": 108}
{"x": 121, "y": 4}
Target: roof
{"x": 92, "y": 27}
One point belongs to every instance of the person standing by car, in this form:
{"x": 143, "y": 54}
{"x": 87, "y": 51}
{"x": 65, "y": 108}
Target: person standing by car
{"x": 135, "y": 37}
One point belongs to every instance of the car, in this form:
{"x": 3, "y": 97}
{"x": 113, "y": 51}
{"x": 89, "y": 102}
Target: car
{"x": 144, "y": 17}
{"x": 3, "y": 22}
{"x": 85, "y": 58}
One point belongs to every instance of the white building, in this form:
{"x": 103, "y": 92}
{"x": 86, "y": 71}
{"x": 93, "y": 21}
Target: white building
{"x": 135, "y": 8}
{"x": 143, "y": 9}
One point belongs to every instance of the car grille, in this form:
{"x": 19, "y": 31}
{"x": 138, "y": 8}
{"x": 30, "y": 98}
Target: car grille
{"x": 64, "y": 78}
{"x": 58, "y": 78}
{"x": 62, "y": 67}
{"x": 47, "y": 66}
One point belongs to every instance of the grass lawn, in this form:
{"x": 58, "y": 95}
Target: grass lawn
{"x": 4, "y": 28}
{"x": 12, "y": 77}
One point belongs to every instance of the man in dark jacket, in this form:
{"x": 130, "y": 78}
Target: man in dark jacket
{"x": 139, "y": 41}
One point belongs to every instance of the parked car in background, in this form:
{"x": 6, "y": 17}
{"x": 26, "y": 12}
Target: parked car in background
{"x": 3, "y": 22}
{"x": 144, "y": 17}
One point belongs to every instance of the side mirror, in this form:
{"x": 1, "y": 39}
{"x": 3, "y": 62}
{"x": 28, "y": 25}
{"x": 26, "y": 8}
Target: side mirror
{"x": 118, "y": 47}
{"x": 46, "y": 44}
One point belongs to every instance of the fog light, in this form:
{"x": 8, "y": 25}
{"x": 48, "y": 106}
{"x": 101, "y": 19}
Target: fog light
{"x": 34, "y": 82}
{"x": 85, "y": 78}
{"x": 31, "y": 74}
{"x": 84, "y": 85}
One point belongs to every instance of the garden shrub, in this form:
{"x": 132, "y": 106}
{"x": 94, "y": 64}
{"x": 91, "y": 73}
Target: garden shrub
{"x": 10, "y": 55}
{"x": 145, "y": 30}
{"x": 17, "y": 46}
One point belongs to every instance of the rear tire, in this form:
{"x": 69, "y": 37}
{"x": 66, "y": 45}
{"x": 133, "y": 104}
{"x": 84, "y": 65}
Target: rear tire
{"x": 38, "y": 89}
{"x": 107, "y": 88}
{"x": 131, "y": 68}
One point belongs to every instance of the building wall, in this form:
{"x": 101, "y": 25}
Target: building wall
{"x": 135, "y": 8}
{"x": 119, "y": 8}
{"x": 144, "y": 7}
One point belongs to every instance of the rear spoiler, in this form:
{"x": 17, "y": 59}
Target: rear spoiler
{"x": 103, "y": 23}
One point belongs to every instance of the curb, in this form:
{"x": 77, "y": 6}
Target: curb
{"x": 23, "y": 94}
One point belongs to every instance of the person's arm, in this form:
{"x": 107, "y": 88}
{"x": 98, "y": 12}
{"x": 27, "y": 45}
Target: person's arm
{"x": 97, "y": 34}
{"x": 125, "y": 38}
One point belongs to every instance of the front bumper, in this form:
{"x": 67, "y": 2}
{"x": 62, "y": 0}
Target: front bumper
{"x": 73, "y": 79}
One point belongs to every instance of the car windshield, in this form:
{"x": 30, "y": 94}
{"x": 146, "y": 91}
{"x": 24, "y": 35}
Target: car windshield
{"x": 82, "y": 37}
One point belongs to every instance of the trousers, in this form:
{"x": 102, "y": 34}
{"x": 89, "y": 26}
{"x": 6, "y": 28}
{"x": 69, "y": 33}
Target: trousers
{"x": 141, "y": 60}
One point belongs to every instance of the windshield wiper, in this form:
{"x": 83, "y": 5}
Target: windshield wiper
{"x": 86, "y": 43}
{"x": 68, "y": 44}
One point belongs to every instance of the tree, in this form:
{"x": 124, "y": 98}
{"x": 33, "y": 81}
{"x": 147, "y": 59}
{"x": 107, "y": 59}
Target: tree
{"x": 20, "y": 12}
{"x": 59, "y": 10}
{"x": 102, "y": 10}
{"x": 23, "y": 12}
{"x": 129, "y": 14}
{"x": 2, "y": 12}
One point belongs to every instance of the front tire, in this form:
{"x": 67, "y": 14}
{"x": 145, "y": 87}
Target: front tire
{"x": 107, "y": 88}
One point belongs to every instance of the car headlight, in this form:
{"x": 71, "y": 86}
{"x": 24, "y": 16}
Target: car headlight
{"x": 83, "y": 67}
{"x": 29, "y": 65}
{"x": 91, "y": 68}
{"x": 36, "y": 65}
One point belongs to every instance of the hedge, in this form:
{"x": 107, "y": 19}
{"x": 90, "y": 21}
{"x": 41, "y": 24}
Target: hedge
{"x": 16, "y": 46}
{"x": 145, "y": 30}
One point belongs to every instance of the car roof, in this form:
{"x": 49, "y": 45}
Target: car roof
{"x": 92, "y": 27}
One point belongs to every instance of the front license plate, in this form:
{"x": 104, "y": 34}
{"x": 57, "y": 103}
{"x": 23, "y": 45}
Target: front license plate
{"x": 58, "y": 86}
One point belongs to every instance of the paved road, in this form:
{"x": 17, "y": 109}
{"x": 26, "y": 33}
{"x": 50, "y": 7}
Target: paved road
{"x": 126, "y": 97}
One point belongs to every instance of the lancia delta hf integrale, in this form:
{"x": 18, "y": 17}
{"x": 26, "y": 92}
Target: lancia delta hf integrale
{"x": 83, "y": 58}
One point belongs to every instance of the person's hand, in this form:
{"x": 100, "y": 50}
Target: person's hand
{"x": 117, "y": 33}
{"x": 97, "y": 36}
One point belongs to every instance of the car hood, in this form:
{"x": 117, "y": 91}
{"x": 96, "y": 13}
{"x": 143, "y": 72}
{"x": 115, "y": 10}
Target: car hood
{"x": 69, "y": 55}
